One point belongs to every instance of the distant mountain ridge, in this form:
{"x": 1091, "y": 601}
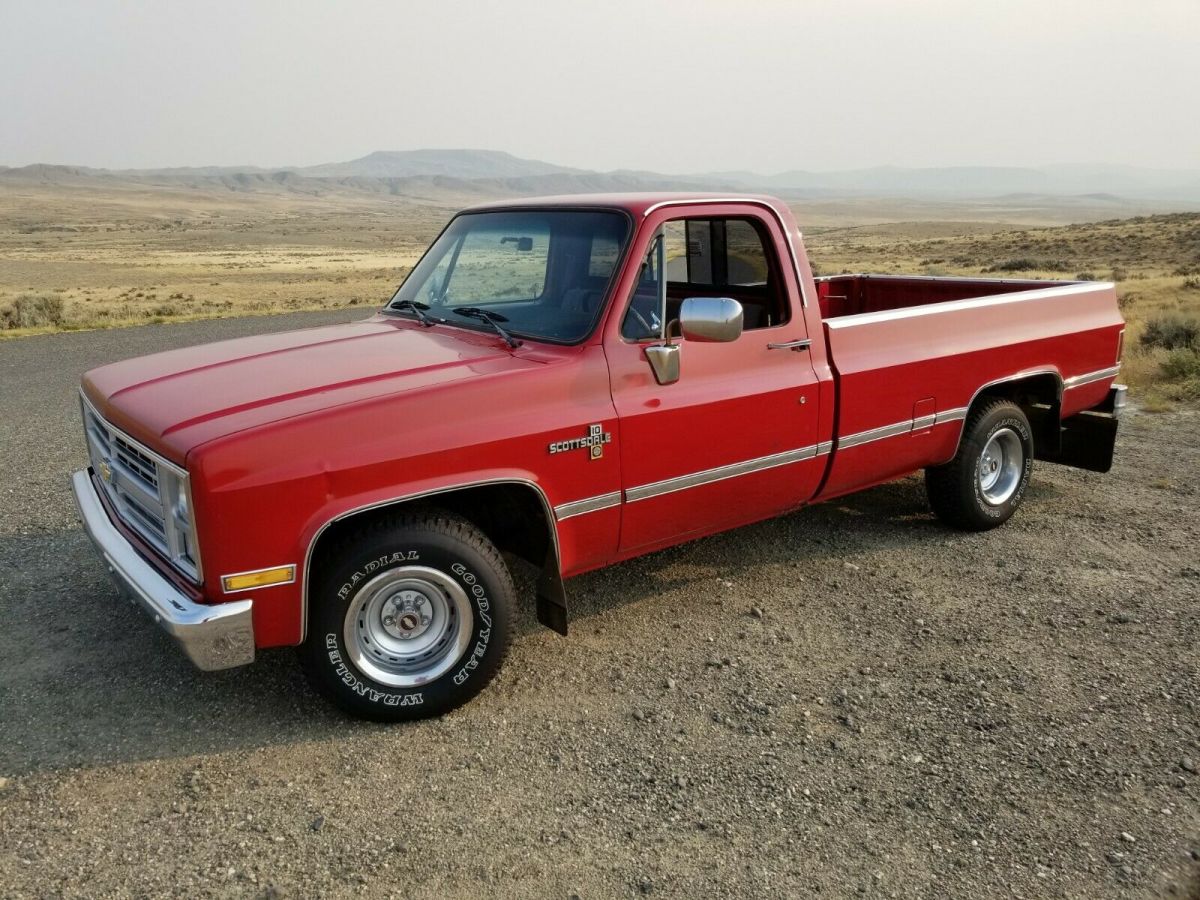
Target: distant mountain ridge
{"x": 452, "y": 172}
{"x": 467, "y": 164}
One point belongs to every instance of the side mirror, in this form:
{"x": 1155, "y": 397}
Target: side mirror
{"x": 710, "y": 320}
{"x": 705, "y": 320}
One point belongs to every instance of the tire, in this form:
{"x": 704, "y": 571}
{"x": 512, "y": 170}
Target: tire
{"x": 985, "y": 482}
{"x": 409, "y": 617}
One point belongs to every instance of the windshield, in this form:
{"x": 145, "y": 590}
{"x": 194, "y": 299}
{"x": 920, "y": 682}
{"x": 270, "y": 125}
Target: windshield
{"x": 542, "y": 273}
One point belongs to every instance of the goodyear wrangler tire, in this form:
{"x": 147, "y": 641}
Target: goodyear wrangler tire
{"x": 983, "y": 485}
{"x": 408, "y": 618}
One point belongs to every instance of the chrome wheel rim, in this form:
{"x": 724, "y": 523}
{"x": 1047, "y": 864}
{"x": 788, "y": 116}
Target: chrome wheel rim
{"x": 1000, "y": 466}
{"x": 408, "y": 626}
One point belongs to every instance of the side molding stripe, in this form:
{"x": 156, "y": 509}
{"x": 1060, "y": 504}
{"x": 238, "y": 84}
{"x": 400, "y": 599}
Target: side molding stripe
{"x": 587, "y": 505}
{"x": 898, "y": 428}
{"x": 1088, "y": 377}
{"x": 691, "y": 480}
{"x": 720, "y": 473}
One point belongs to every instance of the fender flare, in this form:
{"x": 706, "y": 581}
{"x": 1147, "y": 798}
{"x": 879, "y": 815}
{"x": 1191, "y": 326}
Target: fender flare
{"x": 551, "y": 594}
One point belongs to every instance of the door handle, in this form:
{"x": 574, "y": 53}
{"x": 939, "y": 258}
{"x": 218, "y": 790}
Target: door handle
{"x": 798, "y": 346}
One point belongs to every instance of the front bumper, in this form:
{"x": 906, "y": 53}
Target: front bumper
{"x": 213, "y": 637}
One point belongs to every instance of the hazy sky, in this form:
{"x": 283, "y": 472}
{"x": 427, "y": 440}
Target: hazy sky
{"x": 672, "y": 86}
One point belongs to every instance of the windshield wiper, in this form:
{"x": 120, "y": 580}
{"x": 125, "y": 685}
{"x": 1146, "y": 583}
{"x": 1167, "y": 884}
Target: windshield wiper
{"x": 493, "y": 319}
{"x": 418, "y": 310}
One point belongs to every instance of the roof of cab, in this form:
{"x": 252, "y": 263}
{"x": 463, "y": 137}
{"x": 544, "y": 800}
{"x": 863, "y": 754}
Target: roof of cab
{"x": 635, "y": 203}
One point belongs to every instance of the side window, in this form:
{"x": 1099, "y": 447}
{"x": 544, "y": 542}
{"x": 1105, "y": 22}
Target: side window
{"x": 497, "y": 265}
{"x": 712, "y": 258}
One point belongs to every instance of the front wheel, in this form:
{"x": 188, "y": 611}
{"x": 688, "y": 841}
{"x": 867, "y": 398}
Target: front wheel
{"x": 410, "y": 617}
{"x": 983, "y": 485}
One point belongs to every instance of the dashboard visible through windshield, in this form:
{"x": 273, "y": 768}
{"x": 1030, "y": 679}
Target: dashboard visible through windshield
{"x": 541, "y": 274}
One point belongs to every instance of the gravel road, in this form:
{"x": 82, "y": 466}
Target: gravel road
{"x": 849, "y": 700}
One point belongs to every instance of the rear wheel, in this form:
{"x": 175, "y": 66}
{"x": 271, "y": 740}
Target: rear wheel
{"x": 409, "y": 618}
{"x": 985, "y": 482}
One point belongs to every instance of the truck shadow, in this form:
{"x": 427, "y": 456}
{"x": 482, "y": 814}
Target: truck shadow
{"x": 86, "y": 679}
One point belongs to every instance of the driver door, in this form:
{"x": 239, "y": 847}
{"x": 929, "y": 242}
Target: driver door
{"x": 733, "y": 440}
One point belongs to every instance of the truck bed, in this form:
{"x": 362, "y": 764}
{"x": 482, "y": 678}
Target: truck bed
{"x": 848, "y": 295}
{"x": 909, "y": 354}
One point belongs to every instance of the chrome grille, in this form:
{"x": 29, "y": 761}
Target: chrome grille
{"x": 145, "y": 490}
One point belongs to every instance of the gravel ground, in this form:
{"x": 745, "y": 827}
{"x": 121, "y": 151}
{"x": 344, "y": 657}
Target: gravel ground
{"x": 849, "y": 700}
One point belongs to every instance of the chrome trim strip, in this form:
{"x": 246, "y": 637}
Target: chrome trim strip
{"x": 924, "y": 423}
{"x": 213, "y": 637}
{"x": 1088, "y": 377}
{"x": 824, "y": 447}
{"x": 951, "y": 415}
{"x": 753, "y": 201}
{"x": 291, "y": 580}
{"x": 720, "y": 473}
{"x": 874, "y": 434}
{"x": 587, "y": 505}
{"x": 909, "y": 312}
{"x": 379, "y": 504}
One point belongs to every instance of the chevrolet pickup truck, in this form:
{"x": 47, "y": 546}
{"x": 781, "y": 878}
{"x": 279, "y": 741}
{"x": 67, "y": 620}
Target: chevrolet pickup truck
{"x": 573, "y": 381}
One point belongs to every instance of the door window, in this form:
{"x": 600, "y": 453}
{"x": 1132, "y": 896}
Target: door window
{"x": 725, "y": 257}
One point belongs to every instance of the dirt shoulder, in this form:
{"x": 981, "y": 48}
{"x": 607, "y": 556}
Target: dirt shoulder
{"x": 849, "y": 699}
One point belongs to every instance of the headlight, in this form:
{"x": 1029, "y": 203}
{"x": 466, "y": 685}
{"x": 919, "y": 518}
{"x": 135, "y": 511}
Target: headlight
{"x": 180, "y": 530}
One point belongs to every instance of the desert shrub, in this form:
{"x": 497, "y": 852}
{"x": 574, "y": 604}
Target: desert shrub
{"x": 1182, "y": 365}
{"x": 1085, "y": 276}
{"x": 32, "y": 311}
{"x": 1191, "y": 284}
{"x": 1026, "y": 264}
{"x": 1172, "y": 333}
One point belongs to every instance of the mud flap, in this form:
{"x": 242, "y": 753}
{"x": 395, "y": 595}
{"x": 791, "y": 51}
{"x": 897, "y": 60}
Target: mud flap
{"x": 1086, "y": 440}
{"x": 551, "y": 595}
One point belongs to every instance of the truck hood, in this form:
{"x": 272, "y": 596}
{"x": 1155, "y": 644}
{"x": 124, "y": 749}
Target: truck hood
{"x": 177, "y": 400}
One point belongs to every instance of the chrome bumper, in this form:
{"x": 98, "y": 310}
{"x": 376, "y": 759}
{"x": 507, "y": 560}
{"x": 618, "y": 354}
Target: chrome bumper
{"x": 213, "y": 637}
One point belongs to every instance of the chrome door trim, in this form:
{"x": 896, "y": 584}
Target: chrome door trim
{"x": 379, "y": 504}
{"x": 720, "y": 473}
{"x": 1089, "y": 377}
{"x": 587, "y": 505}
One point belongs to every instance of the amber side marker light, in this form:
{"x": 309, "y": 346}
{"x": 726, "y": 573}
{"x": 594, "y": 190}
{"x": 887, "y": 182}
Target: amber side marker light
{"x": 248, "y": 581}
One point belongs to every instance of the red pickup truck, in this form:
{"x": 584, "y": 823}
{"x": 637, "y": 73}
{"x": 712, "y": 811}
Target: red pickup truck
{"x": 573, "y": 381}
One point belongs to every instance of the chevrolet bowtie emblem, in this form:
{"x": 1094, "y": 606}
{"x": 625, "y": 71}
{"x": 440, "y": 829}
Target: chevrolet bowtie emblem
{"x": 105, "y": 470}
{"x": 595, "y": 440}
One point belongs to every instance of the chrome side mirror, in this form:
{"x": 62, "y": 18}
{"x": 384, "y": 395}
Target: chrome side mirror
{"x": 710, "y": 320}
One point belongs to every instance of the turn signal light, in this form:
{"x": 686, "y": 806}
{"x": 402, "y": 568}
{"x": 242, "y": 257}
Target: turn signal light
{"x": 248, "y": 581}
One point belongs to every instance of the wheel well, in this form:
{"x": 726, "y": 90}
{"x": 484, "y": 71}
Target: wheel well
{"x": 1040, "y": 398}
{"x": 512, "y": 515}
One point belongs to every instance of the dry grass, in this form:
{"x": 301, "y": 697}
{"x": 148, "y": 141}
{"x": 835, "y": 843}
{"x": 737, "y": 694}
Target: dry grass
{"x": 1154, "y": 261}
{"x": 95, "y": 256}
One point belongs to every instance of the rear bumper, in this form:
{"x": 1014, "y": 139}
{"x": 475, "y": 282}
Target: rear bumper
{"x": 212, "y": 637}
